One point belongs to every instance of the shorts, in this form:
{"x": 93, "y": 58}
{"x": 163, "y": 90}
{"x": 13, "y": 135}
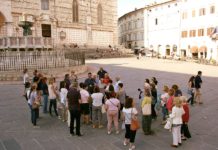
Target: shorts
{"x": 84, "y": 108}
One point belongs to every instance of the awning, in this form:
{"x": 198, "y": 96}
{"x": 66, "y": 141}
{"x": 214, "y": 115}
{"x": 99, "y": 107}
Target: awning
{"x": 203, "y": 49}
{"x": 194, "y": 49}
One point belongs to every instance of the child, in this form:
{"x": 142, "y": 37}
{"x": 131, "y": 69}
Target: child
{"x": 63, "y": 100}
{"x": 185, "y": 118}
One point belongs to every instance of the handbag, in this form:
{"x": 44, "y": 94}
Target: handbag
{"x": 168, "y": 124}
{"x": 35, "y": 105}
{"x": 103, "y": 110}
{"x": 123, "y": 125}
{"x": 134, "y": 123}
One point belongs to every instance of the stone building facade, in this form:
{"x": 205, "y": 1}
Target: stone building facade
{"x": 84, "y": 22}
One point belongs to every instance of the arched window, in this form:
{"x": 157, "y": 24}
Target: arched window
{"x": 75, "y": 11}
{"x": 100, "y": 14}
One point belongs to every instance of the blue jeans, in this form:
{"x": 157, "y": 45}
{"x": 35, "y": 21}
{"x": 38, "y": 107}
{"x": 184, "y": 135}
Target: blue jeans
{"x": 45, "y": 103}
{"x": 33, "y": 115}
{"x": 164, "y": 112}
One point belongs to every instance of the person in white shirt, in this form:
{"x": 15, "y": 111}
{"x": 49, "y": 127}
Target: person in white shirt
{"x": 63, "y": 97}
{"x": 116, "y": 85}
{"x": 176, "y": 117}
{"x": 97, "y": 97}
{"x": 128, "y": 112}
{"x": 52, "y": 90}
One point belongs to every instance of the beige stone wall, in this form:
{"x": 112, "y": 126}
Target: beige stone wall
{"x": 59, "y": 16}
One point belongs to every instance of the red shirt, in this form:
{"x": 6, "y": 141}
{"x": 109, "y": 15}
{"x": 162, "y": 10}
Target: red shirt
{"x": 106, "y": 80}
{"x": 185, "y": 117}
{"x": 170, "y": 103}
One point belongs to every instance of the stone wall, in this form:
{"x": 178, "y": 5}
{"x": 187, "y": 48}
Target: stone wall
{"x": 59, "y": 16}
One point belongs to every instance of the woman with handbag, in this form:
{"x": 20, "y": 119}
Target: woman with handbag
{"x": 33, "y": 104}
{"x": 112, "y": 106}
{"x": 146, "y": 113}
{"x": 129, "y": 112}
{"x": 176, "y": 117}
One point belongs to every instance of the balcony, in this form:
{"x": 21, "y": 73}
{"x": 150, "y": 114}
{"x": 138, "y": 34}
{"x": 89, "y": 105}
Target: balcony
{"x": 27, "y": 42}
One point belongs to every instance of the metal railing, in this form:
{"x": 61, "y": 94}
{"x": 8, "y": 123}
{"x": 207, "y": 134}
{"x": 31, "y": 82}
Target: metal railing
{"x": 17, "y": 61}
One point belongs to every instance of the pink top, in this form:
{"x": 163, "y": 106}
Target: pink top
{"x": 84, "y": 96}
{"x": 112, "y": 104}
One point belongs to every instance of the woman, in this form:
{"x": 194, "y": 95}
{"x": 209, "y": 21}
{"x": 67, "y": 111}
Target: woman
{"x": 176, "y": 117}
{"x": 170, "y": 100}
{"x": 25, "y": 78}
{"x": 191, "y": 86}
{"x": 106, "y": 79}
{"x": 45, "y": 94}
{"x": 128, "y": 112}
{"x": 97, "y": 97}
{"x": 146, "y": 113}
{"x": 63, "y": 97}
{"x": 32, "y": 101}
{"x": 73, "y": 77}
{"x": 84, "y": 106}
{"x": 52, "y": 96}
{"x": 112, "y": 106}
{"x": 154, "y": 101}
{"x": 178, "y": 92}
{"x": 164, "y": 98}
{"x": 121, "y": 95}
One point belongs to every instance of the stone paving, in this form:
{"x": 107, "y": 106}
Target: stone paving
{"x": 17, "y": 133}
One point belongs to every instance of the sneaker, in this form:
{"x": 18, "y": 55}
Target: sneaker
{"x": 117, "y": 132}
{"x": 108, "y": 132}
{"x": 100, "y": 126}
{"x": 59, "y": 117}
{"x": 94, "y": 126}
{"x": 132, "y": 147}
{"x": 36, "y": 127}
{"x": 125, "y": 143}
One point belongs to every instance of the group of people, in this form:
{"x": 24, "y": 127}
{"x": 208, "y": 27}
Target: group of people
{"x": 87, "y": 101}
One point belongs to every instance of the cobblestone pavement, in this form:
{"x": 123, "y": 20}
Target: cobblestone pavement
{"x": 17, "y": 133}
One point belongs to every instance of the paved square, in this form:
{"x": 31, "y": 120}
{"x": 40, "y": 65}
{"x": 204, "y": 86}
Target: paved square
{"x": 17, "y": 133}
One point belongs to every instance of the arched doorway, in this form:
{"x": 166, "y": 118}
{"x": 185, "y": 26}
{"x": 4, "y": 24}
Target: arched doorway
{"x": 2, "y": 25}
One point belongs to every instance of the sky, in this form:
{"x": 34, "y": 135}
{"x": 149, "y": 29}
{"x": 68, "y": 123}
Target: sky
{"x": 125, "y": 6}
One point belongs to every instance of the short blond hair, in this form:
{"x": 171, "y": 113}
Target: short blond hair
{"x": 177, "y": 102}
{"x": 165, "y": 88}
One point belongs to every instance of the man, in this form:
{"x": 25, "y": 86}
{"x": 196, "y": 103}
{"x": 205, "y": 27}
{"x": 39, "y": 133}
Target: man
{"x": 74, "y": 100}
{"x": 101, "y": 73}
{"x": 90, "y": 83}
{"x": 198, "y": 83}
{"x": 67, "y": 81}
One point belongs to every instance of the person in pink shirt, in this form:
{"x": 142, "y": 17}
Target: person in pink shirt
{"x": 112, "y": 105}
{"x": 84, "y": 106}
{"x": 170, "y": 100}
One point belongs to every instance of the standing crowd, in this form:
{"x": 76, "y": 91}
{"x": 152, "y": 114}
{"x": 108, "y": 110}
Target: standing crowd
{"x": 87, "y": 102}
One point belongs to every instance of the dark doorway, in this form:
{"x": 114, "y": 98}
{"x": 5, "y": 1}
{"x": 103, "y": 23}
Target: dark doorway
{"x": 46, "y": 30}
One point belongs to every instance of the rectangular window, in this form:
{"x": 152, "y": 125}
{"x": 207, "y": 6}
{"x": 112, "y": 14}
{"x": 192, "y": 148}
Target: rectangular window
{"x": 200, "y": 32}
{"x": 45, "y": 4}
{"x": 209, "y": 31}
{"x": 184, "y": 34}
{"x": 192, "y": 33}
{"x": 193, "y": 13}
{"x": 46, "y": 30}
{"x": 212, "y": 9}
{"x": 202, "y": 12}
{"x": 156, "y": 21}
{"x": 184, "y": 15}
